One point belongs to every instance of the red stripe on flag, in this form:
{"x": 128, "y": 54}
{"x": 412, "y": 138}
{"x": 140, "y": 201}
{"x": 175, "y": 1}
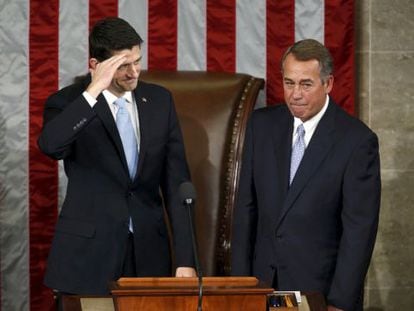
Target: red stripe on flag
{"x": 162, "y": 34}
{"x": 43, "y": 173}
{"x": 280, "y": 34}
{"x": 99, "y": 9}
{"x": 340, "y": 40}
{"x": 221, "y": 35}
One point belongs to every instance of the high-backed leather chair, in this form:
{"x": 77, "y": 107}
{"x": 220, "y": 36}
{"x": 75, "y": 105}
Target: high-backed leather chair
{"x": 213, "y": 109}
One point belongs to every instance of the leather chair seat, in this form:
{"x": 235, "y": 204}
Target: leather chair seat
{"x": 213, "y": 109}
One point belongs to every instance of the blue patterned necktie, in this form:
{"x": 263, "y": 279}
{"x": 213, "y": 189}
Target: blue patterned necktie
{"x": 127, "y": 133}
{"x": 298, "y": 150}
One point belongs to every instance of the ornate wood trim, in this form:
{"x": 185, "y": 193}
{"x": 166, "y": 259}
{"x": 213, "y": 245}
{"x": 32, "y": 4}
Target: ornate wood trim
{"x": 232, "y": 173}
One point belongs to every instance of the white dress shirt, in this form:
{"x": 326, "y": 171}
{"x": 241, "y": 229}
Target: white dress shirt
{"x": 130, "y": 105}
{"x": 309, "y": 125}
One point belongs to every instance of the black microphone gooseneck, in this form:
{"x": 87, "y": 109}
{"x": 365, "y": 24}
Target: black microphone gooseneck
{"x": 188, "y": 196}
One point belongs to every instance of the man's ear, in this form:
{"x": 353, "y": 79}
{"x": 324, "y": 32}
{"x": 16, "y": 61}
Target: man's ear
{"x": 93, "y": 62}
{"x": 329, "y": 84}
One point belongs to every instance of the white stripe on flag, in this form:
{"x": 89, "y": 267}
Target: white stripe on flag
{"x": 251, "y": 37}
{"x": 191, "y": 41}
{"x": 310, "y": 20}
{"x": 251, "y": 40}
{"x": 14, "y": 235}
{"x": 136, "y": 13}
{"x": 73, "y": 55}
{"x": 73, "y": 40}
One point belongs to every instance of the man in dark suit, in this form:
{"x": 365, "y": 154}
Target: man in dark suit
{"x": 313, "y": 229}
{"x": 112, "y": 222}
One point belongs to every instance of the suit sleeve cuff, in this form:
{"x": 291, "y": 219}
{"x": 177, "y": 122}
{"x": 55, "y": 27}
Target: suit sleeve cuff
{"x": 89, "y": 98}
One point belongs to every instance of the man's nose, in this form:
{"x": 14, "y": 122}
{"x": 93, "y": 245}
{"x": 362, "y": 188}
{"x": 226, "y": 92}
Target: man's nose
{"x": 297, "y": 91}
{"x": 133, "y": 70}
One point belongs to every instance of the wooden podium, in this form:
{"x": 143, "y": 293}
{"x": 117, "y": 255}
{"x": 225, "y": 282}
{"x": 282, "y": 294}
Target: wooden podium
{"x": 219, "y": 293}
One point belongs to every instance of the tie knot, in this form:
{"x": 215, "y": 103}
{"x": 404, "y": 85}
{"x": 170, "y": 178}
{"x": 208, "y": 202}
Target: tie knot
{"x": 120, "y": 102}
{"x": 300, "y": 130}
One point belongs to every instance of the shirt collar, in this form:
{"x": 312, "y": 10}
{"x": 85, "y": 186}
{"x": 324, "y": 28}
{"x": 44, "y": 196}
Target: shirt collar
{"x": 111, "y": 98}
{"x": 311, "y": 124}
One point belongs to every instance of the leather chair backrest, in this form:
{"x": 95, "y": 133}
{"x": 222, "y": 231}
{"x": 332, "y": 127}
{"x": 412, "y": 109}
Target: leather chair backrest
{"x": 213, "y": 109}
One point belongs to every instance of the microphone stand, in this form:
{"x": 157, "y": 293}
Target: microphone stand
{"x": 189, "y": 204}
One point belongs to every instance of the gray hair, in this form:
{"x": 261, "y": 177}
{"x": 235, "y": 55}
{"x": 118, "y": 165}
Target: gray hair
{"x": 309, "y": 49}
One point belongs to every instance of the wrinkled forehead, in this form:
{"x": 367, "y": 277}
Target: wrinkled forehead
{"x": 299, "y": 68}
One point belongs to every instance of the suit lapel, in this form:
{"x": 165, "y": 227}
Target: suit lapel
{"x": 318, "y": 148}
{"x": 143, "y": 106}
{"x": 277, "y": 178}
{"x": 104, "y": 113}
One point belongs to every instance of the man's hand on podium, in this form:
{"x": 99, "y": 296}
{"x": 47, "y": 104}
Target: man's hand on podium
{"x": 185, "y": 272}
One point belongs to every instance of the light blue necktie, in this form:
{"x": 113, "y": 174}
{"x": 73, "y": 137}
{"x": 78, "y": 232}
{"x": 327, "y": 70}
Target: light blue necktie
{"x": 127, "y": 133}
{"x": 298, "y": 150}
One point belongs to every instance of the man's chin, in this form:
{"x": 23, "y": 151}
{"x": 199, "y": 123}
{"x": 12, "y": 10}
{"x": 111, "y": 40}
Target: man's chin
{"x": 130, "y": 86}
{"x": 298, "y": 110}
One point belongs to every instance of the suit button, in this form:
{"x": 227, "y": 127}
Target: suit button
{"x": 129, "y": 194}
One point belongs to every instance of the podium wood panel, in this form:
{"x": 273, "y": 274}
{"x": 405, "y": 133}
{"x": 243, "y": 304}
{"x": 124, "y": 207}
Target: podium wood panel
{"x": 213, "y": 281}
{"x": 315, "y": 302}
{"x": 219, "y": 293}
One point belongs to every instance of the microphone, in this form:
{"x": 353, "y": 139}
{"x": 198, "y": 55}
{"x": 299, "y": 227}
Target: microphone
{"x": 187, "y": 196}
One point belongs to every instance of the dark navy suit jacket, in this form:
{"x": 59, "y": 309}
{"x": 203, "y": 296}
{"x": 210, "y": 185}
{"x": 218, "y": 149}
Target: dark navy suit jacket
{"x": 317, "y": 234}
{"x": 92, "y": 230}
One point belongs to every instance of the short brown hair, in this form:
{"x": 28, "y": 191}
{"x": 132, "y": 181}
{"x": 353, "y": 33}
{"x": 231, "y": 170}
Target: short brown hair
{"x": 109, "y": 35}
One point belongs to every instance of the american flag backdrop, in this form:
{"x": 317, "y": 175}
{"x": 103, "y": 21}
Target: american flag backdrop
{"x": 43, "y": 46}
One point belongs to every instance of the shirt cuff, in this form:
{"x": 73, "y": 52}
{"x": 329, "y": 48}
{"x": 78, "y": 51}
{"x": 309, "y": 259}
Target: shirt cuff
{"x": 89, "y": 98}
